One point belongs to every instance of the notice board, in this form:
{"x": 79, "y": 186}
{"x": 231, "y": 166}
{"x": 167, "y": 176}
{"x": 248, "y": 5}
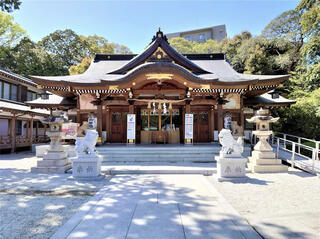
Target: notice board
{"x": 131, "y": 126}
{"x": 188, "y": 126}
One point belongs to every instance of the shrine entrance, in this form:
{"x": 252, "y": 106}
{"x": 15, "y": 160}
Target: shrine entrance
{"x": 118, "y": 126}
{"x": 201, "y": 118}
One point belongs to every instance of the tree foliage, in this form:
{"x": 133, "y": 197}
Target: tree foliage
{"x": 10, "y": 32}
{"x": 9, "y": 5}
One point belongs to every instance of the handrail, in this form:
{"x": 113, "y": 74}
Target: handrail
{"x": 299, "y": 146}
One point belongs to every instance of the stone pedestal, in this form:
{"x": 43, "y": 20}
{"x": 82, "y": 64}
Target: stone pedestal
{"x": 229, "y": 169}
{"x": 87, "y": 166}
{"x": 263, "y": 159}
{"x": 265, "y": 162}
{"x": 53, "y": 162}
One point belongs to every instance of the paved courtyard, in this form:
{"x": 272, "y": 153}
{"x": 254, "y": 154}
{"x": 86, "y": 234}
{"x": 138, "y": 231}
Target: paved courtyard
{"x": 281, "y": 205}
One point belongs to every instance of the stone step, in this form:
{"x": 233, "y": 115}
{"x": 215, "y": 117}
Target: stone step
{"x": 175, "y": 159}
{"x": 155, "y": 155}
{"x": 52, "y": 162}
{"x": 205, "y": 172}
{"x": 267, "y": 168}
{"x": 265, "y": 161}
{"x": 61, "y": 169}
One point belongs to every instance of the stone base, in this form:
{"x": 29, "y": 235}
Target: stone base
{"x": 267, "y": 168}
{"x": 55, "y": 155}
{"x": 53, "y": 162}
{"x": 230, "y": 167}
{"x": 42, "y": 150}
{"x": 86, "y": 166}
{"x": 98, "y": 178}
{"x": 265, "y": 162}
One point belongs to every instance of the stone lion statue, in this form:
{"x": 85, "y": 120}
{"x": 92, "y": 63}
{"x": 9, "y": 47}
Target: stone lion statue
{"x": 229, "y": 144}
{"x": 88, "y": 143}
{"x": 83, "y": 129}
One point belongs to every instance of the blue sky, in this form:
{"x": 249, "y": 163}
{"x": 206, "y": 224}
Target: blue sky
{"x": 133, "y": 23}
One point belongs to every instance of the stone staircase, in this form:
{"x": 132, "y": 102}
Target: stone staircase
{"x": 159, "y": 153}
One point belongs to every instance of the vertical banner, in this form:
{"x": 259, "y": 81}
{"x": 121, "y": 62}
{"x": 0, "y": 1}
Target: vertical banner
{"x": 131, "y": 126}
{"x": 188, "y": 126}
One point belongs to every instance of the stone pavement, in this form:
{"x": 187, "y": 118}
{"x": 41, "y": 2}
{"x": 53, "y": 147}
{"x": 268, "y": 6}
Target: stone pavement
{"x": 156, "y": 206}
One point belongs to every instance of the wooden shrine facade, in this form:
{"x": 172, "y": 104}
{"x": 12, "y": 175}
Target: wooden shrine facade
{"x": 160, "y": 86}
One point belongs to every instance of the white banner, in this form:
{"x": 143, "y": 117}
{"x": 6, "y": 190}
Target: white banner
{"x": 131, "y": 126}
{"x": 188, "y": 126}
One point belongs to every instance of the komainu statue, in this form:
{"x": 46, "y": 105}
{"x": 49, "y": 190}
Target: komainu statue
{"x": 88, "y": 143}
{"x": 230, "y": 146}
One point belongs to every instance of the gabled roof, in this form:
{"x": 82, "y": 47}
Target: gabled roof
{"x": 159, "y": 56}
{"x": 160, "y": 50}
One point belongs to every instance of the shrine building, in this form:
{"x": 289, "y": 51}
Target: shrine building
{"x": 163, "y": 90}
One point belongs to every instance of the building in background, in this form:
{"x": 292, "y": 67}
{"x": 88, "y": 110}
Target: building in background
{"x": 217, "y": 33}
{"x": 19, "y": 124}
{"x": 168, "y": 97}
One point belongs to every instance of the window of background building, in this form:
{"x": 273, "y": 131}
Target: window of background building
{"x": 6, "y": 91}
{"x": 14, "y": 92}
{"x": 29, "y": 96}
{"x": 18, "y": 127}
{"x": 1, "y": 89}
{"x": 34, "y": 96}
{"x": 188, "y": 38}
{"x": 221, "y": 34}
{"x": 202, "y": 37}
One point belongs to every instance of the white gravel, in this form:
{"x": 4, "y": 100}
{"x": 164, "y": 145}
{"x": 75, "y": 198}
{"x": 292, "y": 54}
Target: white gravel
{"x": 278, "y": 205}
{"x": 35, "y": 205}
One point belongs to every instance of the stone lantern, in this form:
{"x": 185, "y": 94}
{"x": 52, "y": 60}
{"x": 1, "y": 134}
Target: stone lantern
{"x": 263, "y": 158}
{"x": 55, "y": 130}
{"x": 55, "y": 160}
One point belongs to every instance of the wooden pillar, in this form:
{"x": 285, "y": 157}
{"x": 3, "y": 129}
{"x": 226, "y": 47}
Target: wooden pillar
{"x": 170, "y": 119}
{"x": 241, "y": 113}
{"x": 37, "y": 129}
{"x": 31, "y": 130}
{"x": 148, "y": 119}
{"x": 220, "y": 117}
{"x": 99, "y": 120}
{"x": 108, "y": 122}
{"x": 188, "y": 108}
{"x": 27, "y": 129}
{"x": 131, "y": 109}
{"x": 159, "y": 119}
{"x": 211, "y": 125}
{"x": 13, "y": 133}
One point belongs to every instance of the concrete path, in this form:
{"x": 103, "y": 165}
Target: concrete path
{"x": 113, "y": 168}
{"x": 157, "y": 206}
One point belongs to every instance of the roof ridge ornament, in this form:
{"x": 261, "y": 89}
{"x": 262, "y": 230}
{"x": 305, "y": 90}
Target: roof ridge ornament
{"x": 159, "y": 34}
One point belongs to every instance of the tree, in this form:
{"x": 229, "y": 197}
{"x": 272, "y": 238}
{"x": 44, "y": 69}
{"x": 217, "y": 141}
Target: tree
{"x": 10, "y": 32}
{"x": 65, "y": 47}
{"x": 310, "y": 23}
{"x": 81, "y": 67}
{"x": 9, "y": 5}
{"x": 96, "y": 44}
{"x": 287, "y": 27}
{"x": 182, "y": 45}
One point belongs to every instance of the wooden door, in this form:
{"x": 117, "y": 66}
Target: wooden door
{"x": 118, "y": 127}
{"x": 201, "y": 126}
